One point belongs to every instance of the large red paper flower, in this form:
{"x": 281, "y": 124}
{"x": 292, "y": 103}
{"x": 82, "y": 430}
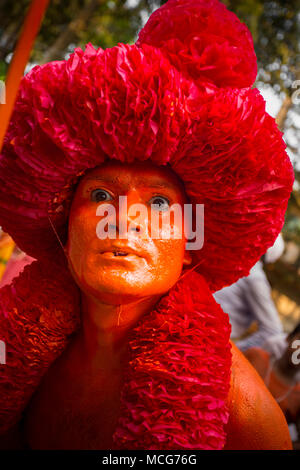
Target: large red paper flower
{"x": 129, "y": 103}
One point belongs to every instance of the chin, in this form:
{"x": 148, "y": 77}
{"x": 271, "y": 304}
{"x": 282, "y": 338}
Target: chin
{"x": 114, "y": 290}
{"x": 118, "y": 291}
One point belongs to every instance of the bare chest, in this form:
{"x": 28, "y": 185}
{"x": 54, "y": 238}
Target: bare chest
{"x": 75, "y": 407}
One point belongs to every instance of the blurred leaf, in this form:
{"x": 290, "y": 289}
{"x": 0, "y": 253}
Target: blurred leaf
{"x": 3, "y": 70}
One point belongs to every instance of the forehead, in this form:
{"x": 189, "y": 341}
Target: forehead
{"x": 135, "y": 174}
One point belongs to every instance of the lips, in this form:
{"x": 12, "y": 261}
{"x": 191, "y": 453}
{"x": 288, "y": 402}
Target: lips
{"x": 119, "y": 251}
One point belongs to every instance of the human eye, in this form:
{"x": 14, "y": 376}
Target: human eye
{"x": 160, "y": 203}
{"x": 99, "y": 195}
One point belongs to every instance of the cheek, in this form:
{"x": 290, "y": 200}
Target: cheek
{"x": 81, "y": 236}
{"x": 167, "y": 225}
{"x": 170, "y": 259}
{"x": 170, "y": 248}
{"x": 82, "y": 226}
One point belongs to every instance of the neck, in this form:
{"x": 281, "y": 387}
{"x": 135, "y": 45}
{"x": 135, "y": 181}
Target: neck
{"x": 105, "y": 327}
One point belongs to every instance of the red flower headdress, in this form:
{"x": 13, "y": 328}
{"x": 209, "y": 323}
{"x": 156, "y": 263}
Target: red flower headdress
{"x": 180, "y": 96}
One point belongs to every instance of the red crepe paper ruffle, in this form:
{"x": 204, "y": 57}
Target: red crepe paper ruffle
{"x": 203, "y": 40}
{"x": 178, "y": 377}
{"x": 39, "y": 311}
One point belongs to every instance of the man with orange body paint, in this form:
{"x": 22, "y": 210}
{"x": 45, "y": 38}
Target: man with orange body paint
{"x": 142, "y": 122}
{"x": 152, "y": 267}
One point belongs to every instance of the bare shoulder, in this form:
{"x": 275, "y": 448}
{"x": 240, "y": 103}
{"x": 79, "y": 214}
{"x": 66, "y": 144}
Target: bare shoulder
{"x": 256, "y": 421}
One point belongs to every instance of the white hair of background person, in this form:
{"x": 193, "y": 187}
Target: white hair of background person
{"x": 274, "y": 252}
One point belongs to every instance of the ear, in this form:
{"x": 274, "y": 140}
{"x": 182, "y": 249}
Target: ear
{"x": 187, "y": 259}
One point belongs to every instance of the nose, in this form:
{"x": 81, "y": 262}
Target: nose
{"x": 129, "y": 218}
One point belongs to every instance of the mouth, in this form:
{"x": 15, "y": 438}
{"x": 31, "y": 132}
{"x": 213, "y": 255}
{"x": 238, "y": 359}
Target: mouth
{"x": 117, "y": 252}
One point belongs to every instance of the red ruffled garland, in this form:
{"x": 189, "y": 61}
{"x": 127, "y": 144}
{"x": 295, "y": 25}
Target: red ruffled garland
{"x": 178, "y": 377}
{"x": 39, "y": 311}
{"x": 176, "y": 382}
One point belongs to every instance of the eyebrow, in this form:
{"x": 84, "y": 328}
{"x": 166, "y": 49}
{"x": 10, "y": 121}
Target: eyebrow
{"x": 106, "y": 179}
{"x": 116, "y": 180}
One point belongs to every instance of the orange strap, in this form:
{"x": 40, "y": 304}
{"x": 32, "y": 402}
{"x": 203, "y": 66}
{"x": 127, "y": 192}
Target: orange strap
{"x": 20, "y": 58}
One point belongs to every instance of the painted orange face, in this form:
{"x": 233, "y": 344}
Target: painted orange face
{"x": 119, "y": 270}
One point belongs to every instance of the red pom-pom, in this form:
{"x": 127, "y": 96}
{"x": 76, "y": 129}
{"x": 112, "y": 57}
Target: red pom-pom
{"x": 204, "y": 40}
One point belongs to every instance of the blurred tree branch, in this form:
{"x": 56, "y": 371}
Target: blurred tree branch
{"x": 283, "y": 112}
{"x": 56, "y": 51}
{"x": 12, "y": 17}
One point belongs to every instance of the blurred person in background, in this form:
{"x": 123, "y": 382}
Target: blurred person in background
{"x": 282, "y": 377}
{"x": 6, "y": 249}
{"x": 249, "y": 300}
{"x": 12, "y": 259}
